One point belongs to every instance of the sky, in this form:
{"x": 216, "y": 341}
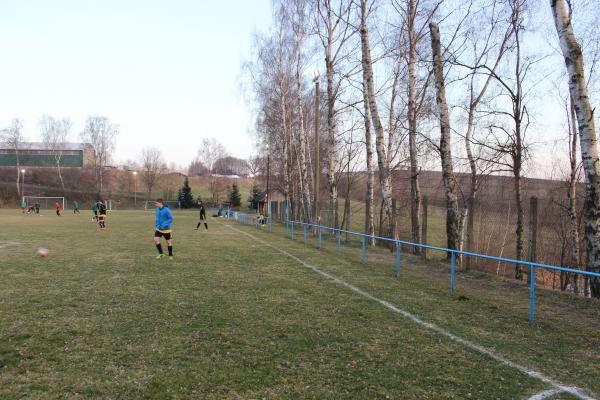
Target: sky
{"x": 167, "y": 72}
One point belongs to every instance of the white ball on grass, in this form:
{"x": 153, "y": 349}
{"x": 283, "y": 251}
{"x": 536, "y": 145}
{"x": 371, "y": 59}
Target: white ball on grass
{"x": 42, "y": 252}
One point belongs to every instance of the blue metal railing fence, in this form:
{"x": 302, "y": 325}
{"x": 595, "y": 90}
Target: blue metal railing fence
{"x": 249, "y": 219}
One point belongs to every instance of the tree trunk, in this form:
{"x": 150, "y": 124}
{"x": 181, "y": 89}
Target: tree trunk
{"x": 331, "y": 124}
{"x": 367, "y": 66}
{"x": 572, "y": 195}
{"x": 369, "y": 217}
{"x": 520, "y": 219}
{"x": 317, "y": 178}
{"x": 101, "y": 179}
{"x": 532, "y": 234}
{"x": 470, "y": 236}
{"x": 448, "y": 178}
{"x": 587, "y": 132}
{"x": 468, "y": 208}
{"x": 286, "y": 161}
{"x": 412, "y": 124}
{"x": 306, "y": 206}
{"x": 346, "y": 224}
{"x": 19, "y": 191}
{"x": 62, "y": 183}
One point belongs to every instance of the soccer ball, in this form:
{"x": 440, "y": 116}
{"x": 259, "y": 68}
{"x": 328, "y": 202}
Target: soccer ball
{"x": 42, "y": 252}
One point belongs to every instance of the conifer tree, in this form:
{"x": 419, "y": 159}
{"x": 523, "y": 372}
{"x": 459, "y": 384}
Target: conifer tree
{"x": 235, "y": 198}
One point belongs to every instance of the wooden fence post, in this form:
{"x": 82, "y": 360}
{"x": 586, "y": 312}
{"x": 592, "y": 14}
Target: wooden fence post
{"x": 533, "y": 222}
{"x": 424, "y": 227}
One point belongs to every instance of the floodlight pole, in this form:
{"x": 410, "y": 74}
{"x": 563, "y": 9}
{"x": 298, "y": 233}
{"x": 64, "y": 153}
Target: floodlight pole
{"x": 135, "y": 189}
{"x": 317, "y": 147}
{"x": 268, "y": 181}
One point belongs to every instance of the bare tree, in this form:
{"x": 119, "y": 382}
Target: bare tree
{"x": 152, "y": 161}
{"x": 100, "y": 133}
{"x": 369, "y": 205}
{"x": 197, "y": 168}
{"x": 299, "y": 28}
{"x": 272, "y": 81}
{"x": 452, "y": 219}
{"x": 510, "y": 149}
{"x": 572, "y": 191}
{"x": 54, "y": 134}
{"x": 487, "y": 42}
{"x": 587, "y": 131}
{"x": 417, "y": 15}
{"x": 334, "y": 33}
{"x": 13, "y": 138}
{"x": 382, "y": 159}
{"x": 255, "y": 165}
{"x": 210, "y": 152}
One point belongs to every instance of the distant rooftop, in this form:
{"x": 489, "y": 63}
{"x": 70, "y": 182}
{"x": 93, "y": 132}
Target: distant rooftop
{"x": 44, "y": 146}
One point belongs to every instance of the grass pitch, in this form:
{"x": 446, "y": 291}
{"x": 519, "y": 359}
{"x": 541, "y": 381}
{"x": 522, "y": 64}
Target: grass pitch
{"x": 233, "y": 318}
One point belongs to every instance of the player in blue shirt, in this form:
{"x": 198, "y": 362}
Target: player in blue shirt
{"x": 164, "y": 219}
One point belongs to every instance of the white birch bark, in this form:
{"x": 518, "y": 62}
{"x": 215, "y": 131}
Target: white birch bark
{"x": 587, "y": 133}
{"x": 305, "y": 189}
{"x": 286, "y": 161}
{"x": 13, "y": 137}
{"x": 331, "y": 121}
{"x": 367, "y": 66}
{"x": 415, "y": 194}
{"x": 369, "y": 206}
{"x": 572, "y": 195}
{"x": 448, "y": 178}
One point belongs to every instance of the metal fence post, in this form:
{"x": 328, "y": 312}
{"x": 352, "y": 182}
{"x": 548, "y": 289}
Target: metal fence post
{"x": 452, "y": 271}
{"x": 270, "y": 219}
{"x": 292, "y": 231}
{"x": 398, "y": 251}
{"x": 531, "y": 293}
{"x": 320, "y": 238}
{"x": 304, "y": 234}
{"x": 363, "y": 254}
{"x": 339, "y": 244}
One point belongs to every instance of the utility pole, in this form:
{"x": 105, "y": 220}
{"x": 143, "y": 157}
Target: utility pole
{"x": 135, "y": 189}
{"x": 268, "y": 181}
{"x": 316, "y": 76}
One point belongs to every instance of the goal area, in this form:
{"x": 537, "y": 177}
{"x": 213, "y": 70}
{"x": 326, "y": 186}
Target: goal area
{"x": 44, "y": 202}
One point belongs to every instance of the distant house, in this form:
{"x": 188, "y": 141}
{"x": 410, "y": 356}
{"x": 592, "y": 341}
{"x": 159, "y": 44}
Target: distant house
{"x": 36, "y": 154}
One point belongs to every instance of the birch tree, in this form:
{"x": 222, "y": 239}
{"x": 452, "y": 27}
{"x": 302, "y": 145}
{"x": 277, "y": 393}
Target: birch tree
{"x": 448, "y": 178}
{"x": 382, "y": 159}
{"x": 509, "y": 146}
{"x": 334, "y": 32}
{"x": 272, "y": 83}
{"x": 369, "y": 207}
{"x": 488, "y": 39}
{"x": 587, "y": 132}
{"x": 152, "y": 161}
{"x": 417, "y": 15}
{"x": 13, "y": 138}
{"x": 211, "y": 150}
{"x": 572, "y": 192}
{"x": 298, "y": 22}
{"x": 101, "y": 134}
{"x": 54, "y": 134}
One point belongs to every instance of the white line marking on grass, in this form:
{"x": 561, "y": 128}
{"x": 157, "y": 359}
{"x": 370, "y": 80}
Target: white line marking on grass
{"x": 6, "y": 244}
{"x": 577, "y": 392}
{"x": 545, "y": 394}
